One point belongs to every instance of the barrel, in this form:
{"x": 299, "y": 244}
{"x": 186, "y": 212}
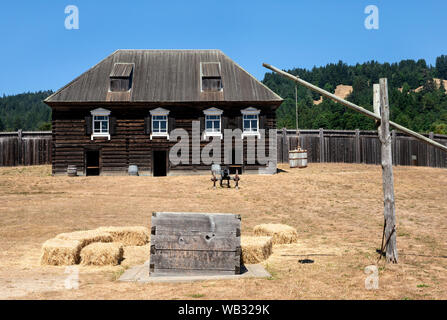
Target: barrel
{"x": 72, "y": 171}
{"x": 298, "y": 158}
{"x": 133, "y": 170}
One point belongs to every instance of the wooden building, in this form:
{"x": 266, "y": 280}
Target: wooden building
{"x": 121, "y": 111}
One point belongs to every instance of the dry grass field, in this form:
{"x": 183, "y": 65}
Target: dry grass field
{"x": 336, "y": 208}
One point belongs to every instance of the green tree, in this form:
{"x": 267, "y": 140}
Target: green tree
{"x": 441, "y": 67}
{"x": 44, "y": 126}
{"x": 24, "y": 111}
{"x": 439, "y": 127}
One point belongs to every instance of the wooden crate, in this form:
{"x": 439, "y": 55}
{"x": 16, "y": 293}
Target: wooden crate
{"x": 195, "y": 243}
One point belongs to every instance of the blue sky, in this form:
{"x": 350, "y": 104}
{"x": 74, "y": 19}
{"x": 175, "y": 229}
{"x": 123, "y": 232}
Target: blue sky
{"x": 38, "y": 53}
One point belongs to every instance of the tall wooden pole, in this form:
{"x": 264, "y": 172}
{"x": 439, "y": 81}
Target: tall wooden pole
{"x": 296, "y": 118}
{"x": 387, "y": 173}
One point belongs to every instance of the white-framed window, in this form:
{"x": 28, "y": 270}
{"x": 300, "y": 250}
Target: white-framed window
{"x": 250, "y": 122}
{"x": 100, "y": 123}
{"x": 213, "y": 123}
{"x": 159, "y": 123}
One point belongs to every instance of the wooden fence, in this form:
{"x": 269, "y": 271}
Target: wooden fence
{"x": 355, "y": 146}
{"x": 24, "y": 148}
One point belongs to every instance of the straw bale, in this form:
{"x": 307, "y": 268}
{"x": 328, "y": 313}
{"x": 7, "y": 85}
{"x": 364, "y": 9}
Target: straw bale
{"x": 59, "y": 252}
{"x": 280, "y": 233}
{"x": 255, "y": 249}
{"x": 86, "y": 237}
{"x": 102, "y": 254}
{"x": 128, "y": 236}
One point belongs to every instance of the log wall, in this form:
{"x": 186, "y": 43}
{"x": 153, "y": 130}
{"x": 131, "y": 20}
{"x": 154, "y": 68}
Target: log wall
{"x": 129, "y": 144}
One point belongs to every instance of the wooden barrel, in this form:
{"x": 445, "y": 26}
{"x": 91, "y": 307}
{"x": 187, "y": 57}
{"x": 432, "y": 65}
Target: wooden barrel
{"x": 72, "y": 171}
{"x": 298, "y": 158}
{"x": 133, "y": 170}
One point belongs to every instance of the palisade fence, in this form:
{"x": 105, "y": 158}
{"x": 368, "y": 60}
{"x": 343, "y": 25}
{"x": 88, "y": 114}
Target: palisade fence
{"x": 24, "y": 148}
{"x": 349, "y": 146}
{"x": 355, "y": 146}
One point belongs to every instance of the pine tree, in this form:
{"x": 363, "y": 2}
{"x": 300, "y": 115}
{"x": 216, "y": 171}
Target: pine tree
{"x": 441, "y": 67}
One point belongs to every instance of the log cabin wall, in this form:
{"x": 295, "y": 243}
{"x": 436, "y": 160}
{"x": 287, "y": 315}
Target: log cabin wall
{"x": 129, "y": 144}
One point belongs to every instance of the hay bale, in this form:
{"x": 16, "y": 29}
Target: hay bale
{"x": 280, "y": 233}
{"x": 255, "y": 249}
{"x": 135, "y": 255}
{"x": 102, "y": 254}
{"x": 60, "y": 252}
{"x": 86, "y": 237}
{"x": 128, "y": 236}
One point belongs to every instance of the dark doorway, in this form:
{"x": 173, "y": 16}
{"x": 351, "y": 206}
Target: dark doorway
{"x": 234, "y": 167}
{"x": 92, "y": 163}
{"x": 159, "y": 163}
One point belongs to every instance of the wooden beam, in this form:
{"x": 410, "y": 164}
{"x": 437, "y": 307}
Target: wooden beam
{"x": 387, "y": 172}
{"x": 354, "y": 106}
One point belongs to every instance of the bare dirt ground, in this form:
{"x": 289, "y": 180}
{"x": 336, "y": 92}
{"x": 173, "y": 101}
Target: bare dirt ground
{"x": 336, "y": 208}
{"x": 341, "y": 91}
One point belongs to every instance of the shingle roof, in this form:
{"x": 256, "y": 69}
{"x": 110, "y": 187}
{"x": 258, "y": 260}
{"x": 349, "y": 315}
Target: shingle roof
{"x": 165, "y": 76}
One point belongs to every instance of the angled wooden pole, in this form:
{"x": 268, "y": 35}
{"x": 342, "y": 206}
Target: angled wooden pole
{"x": 387, "y": 170}
{"x": 354, "y": 106}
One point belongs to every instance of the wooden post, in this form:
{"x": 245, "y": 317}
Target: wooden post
{"x": 431, "y": 152}
{"x": 20, "y": 161}
{"x": 321, "y": 145}
{"x": 393, "y": 146}
{"x": 357, "y": 145}
{"x": 387, "y": 175}
{"x": 285, "y": 145}
{"x": 296, "y": 117}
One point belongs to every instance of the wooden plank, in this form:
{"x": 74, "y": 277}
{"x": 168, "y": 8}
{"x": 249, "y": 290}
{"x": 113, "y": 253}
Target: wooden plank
{"x": 168, "y": 222}
{"x": 195, "y": 260}
{"x": 200, "y": 241}
{"x": 285, "y": 146}
{"x": 156, "y": 272}
{"x": 322, "y": 155}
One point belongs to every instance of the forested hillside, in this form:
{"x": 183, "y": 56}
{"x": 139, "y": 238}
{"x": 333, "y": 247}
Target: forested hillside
{"x": 417, "y": 101}
{"x": 25, "y": 111}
